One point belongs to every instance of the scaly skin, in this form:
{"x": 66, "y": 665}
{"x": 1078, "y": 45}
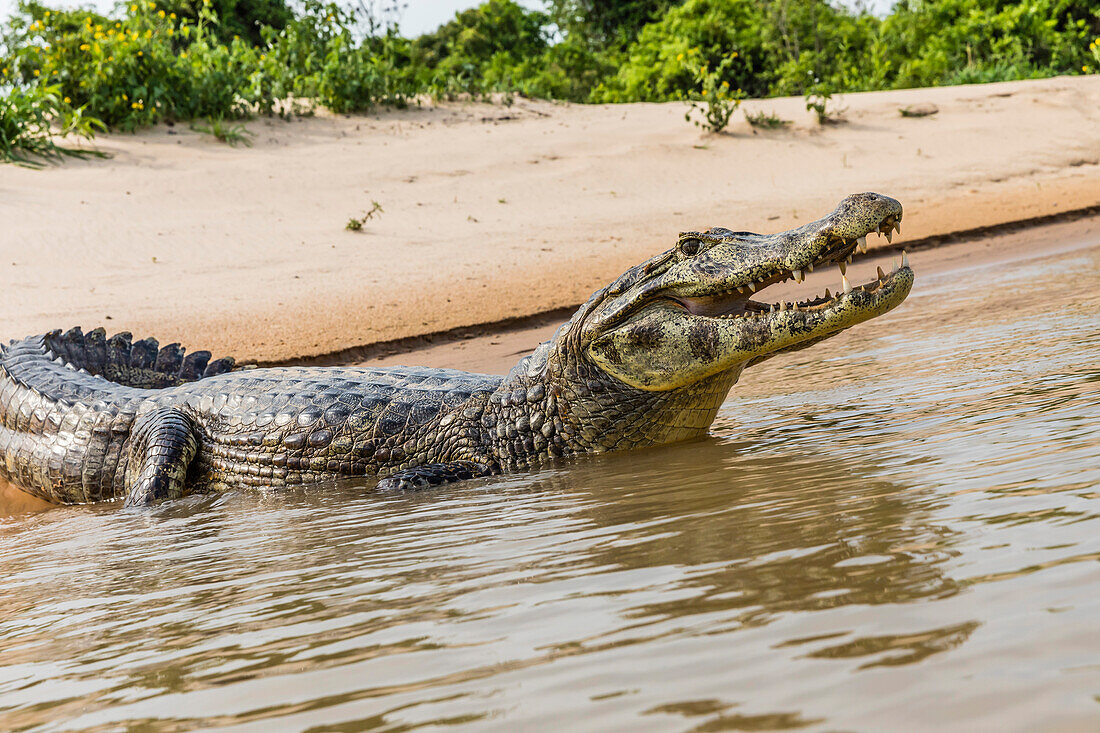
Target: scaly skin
{"x": 647, "y": 360}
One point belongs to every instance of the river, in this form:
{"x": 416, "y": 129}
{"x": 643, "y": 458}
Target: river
{"x": 897, "y": 529}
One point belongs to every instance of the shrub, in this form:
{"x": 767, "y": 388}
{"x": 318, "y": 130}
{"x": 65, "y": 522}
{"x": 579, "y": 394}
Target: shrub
{"x": 30, "y": 121}
{"x": 965, "y": 41}
{"x": 243, "y": 18}
{"x": 137, "y": 70}
{"x": 482, "y": 48}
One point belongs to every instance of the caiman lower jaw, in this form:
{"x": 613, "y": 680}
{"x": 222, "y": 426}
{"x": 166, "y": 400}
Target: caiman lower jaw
{"x": 666, "y": 345}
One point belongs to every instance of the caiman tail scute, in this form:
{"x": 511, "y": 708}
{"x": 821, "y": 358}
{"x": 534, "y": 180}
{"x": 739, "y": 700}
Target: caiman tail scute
{"x": 647, "y": 360}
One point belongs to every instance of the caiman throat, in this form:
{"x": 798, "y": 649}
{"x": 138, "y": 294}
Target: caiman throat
{"x": 646, "y": 360}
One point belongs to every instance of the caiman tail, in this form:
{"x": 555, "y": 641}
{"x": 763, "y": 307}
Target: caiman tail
{"x": 68, "y": 405}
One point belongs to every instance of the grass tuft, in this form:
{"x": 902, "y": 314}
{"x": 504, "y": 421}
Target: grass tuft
{"x": 227, "y": 133}
{"x": 766, "y": 120}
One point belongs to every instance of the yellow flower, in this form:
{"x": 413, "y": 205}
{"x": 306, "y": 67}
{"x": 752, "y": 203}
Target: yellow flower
{"x": 46, "y": 14}
{"x": 141, "y": 53}
{"x": 704, "y": 92}
{"x": 172, "y": 16}
{"x": 679, "y": 57}
{"x": 725, "y": 85}
{"x": 68, "y": 101}
{"x": 125, "y": 98}
{"x": 36, "y": 72}
{"x": 160, "y": 13}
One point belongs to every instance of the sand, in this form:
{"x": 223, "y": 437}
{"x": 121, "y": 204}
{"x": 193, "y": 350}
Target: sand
{"x": 490, "y": 211}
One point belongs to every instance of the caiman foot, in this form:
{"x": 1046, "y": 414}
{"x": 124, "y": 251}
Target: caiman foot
{"x": 434, "y": 474}
{"x": 162, "y": 445}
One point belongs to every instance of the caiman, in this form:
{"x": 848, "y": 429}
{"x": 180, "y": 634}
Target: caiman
{"x": 646, "y": 360}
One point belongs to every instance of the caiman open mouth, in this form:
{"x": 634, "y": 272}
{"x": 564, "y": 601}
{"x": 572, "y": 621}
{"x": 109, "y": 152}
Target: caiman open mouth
{"x": 737, "y": 301}
{"x": 702, "y": 313}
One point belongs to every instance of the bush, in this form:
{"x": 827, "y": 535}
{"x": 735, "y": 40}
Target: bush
{"x": 966, "y": 41}
{"x": 782, "y": 48}
{"x": 243, "y": 18}
{"x": 482, "y": 48}
{"x": 30, "y": 121}
{"x": 140, "y": 69}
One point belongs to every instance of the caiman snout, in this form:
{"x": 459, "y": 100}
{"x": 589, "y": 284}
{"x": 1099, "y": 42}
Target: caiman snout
{"x": 862, "y": 213}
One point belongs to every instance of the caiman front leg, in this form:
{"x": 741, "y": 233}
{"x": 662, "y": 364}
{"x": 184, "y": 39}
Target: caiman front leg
{"x": 162, "y": 444}
{"x": 434, "y": 474}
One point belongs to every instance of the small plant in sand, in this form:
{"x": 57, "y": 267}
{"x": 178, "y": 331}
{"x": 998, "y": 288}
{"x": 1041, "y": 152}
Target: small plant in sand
{"x": 924, "y": 109}
{"x": 356, "y": 225}
{"x": 226, "y": 132}
{"x": 716, "y": 102}
{"x": 820, "y": 100}
{"x": 31, "y": 121}
{"x": 766, "y": 120}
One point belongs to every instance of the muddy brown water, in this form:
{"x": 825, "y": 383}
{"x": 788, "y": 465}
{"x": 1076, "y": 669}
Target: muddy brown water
{"x": 898, "y": 529}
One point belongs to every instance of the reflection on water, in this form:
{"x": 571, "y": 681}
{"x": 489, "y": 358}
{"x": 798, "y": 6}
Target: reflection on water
{"x": 893, "y": 530}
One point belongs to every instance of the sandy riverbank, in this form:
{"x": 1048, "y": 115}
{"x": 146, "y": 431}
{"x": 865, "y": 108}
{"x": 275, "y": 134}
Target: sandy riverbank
{"x": 490, "y": 212}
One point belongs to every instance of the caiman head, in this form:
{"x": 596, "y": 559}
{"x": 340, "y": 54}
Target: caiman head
{"x": 700, "y": 309}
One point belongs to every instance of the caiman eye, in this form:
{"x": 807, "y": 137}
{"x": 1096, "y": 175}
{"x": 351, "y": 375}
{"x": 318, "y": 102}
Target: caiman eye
{"x": 690, "y": 247}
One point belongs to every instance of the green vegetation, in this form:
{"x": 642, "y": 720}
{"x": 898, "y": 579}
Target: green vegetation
{"x": 717, "y": 103}
{"x": 31, "y": 121}
{"x": 819, "y": 100}
{"x": 766, "y": 120}
{"x": 226, "y": 60}
{"x": 227, "y": 133}
{"x": 356, "y": 224}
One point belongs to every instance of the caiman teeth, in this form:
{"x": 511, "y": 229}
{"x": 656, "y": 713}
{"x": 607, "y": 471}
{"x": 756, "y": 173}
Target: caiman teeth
{"x": 839, "y": 251}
